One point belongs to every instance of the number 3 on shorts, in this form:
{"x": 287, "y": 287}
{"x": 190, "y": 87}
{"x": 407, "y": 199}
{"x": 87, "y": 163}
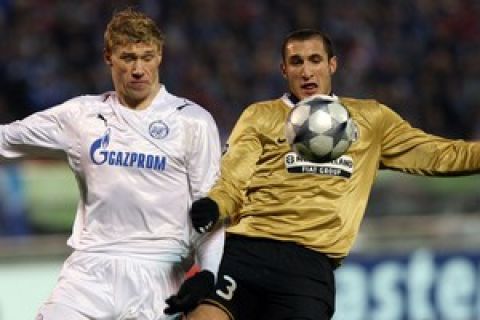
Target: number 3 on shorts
{"x": 229, "y": 288}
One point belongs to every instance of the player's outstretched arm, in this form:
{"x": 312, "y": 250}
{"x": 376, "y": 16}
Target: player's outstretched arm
{"x": 204, "y": 214}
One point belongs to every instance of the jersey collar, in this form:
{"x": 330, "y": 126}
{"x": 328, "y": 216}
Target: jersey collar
{"x": 291, "y": 100}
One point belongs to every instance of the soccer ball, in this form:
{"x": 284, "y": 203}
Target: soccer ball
{"x": 319, "y": 129}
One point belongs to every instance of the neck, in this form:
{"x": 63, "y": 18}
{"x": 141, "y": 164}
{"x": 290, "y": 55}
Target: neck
{"x": 293, "y": 98}
{"x": 139, "y": 104}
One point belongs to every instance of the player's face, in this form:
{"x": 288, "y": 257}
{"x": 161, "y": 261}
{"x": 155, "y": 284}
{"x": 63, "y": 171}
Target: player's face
{"x": 135, "y": 69}
{"x": 307, "y": 68}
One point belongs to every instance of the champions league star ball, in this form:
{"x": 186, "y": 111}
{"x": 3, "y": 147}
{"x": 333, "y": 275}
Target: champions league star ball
{"x": 319, "y": 129}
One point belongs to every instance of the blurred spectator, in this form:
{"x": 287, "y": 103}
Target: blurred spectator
{"x": 13, "y": 213}
{"x": 224, "y": 54}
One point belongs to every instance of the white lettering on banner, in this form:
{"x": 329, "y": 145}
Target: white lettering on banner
{"x": 421, "y": 275}
{"x": 458, "y": 292}
{"x": 386, "y": 278}
{"x": 420, "y": 286}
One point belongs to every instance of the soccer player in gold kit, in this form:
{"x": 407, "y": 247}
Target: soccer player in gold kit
{"x": 289, "y": 230}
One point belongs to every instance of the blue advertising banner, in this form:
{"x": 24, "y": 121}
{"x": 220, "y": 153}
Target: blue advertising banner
{"x": 422, "y": 285}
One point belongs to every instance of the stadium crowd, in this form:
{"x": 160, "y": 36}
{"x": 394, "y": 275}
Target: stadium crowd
{"x": 418, "y": 56}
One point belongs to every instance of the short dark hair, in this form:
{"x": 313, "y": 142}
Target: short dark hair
{"x": 306, "y": 34}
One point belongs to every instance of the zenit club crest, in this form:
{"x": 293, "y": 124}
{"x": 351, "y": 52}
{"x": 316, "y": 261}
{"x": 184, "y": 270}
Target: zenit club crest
{"x": 158, "y": 129}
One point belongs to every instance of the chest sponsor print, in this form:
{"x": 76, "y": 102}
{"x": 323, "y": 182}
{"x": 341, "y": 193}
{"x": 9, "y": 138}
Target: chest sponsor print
{"x": 340, "y": 167}
{"x": 102, "y": 154}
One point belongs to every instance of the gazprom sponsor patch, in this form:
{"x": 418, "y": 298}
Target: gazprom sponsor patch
{"x": 101, "y": 155}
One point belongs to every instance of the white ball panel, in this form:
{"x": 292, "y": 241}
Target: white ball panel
{"x": 319, "y": 122}
{"x": 290, "y": 132}
{"x": 338, "y": 112}
{"x": 321, "y": 145}
{"x": 340, "y": 148}
{"x": 303, "y": 151}
{"x": 299, "y": 114}
{"x": 350, "y": 130}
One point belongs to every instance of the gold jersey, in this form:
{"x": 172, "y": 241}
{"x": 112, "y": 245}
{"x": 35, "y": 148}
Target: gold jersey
{"x": 267, "y": 191}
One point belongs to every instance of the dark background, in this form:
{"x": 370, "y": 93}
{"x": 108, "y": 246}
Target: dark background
{"x": 420, "y": 57}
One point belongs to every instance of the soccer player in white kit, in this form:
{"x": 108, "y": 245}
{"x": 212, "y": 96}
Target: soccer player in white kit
{"x": 141, "y": 156}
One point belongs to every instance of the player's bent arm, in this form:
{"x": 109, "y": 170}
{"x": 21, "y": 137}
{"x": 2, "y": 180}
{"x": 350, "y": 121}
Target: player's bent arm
{"x": 210, "y": 249}
{"x": 203, "y": 160}
{"x": 195, "y": 288}
{"x": 238, "y": 163}
{"x": 203, "y": 152}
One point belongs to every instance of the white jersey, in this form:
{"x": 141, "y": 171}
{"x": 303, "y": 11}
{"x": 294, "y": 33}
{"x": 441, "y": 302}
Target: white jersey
{"x": 138, "y": 171}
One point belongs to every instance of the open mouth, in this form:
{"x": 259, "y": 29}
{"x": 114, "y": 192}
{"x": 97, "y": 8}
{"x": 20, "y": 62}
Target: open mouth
{"x": 309, "y": 86}
{"x": 309, "y": 89}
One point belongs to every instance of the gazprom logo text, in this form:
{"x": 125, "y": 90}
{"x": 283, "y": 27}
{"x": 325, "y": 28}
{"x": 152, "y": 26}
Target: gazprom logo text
{"x": 100, "y": 155}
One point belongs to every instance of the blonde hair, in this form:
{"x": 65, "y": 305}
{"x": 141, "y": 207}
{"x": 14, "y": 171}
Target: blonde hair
{"x": 131, "y": 26}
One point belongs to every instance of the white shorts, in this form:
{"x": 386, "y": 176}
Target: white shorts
{"x": 106, "y": 287}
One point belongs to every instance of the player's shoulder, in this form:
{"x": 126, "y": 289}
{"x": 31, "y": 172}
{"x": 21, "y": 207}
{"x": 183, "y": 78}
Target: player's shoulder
{"x": 88, "y": 101}
{"x": 189, "y": 110}
{"x": 79, "y": 106}
{"x": 367, "y": 110}
{"x": 365, "y": 107}
{"x": 266, "y": 104}
{"x": 266, "y": 108}
{"x": 264, "y": 115}
{"x": 359, "y": 103}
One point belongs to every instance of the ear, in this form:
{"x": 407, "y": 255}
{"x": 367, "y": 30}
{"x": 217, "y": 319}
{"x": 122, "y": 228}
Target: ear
{"x": 107, "y": 57}
{"x": 283, "y": 70}
{"x": 160, "y": 56}
{"x": 332, "y": 64}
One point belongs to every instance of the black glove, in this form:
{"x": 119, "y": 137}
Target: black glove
{"x": 191, "y": 293}
{"x": 204, "y": 214}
